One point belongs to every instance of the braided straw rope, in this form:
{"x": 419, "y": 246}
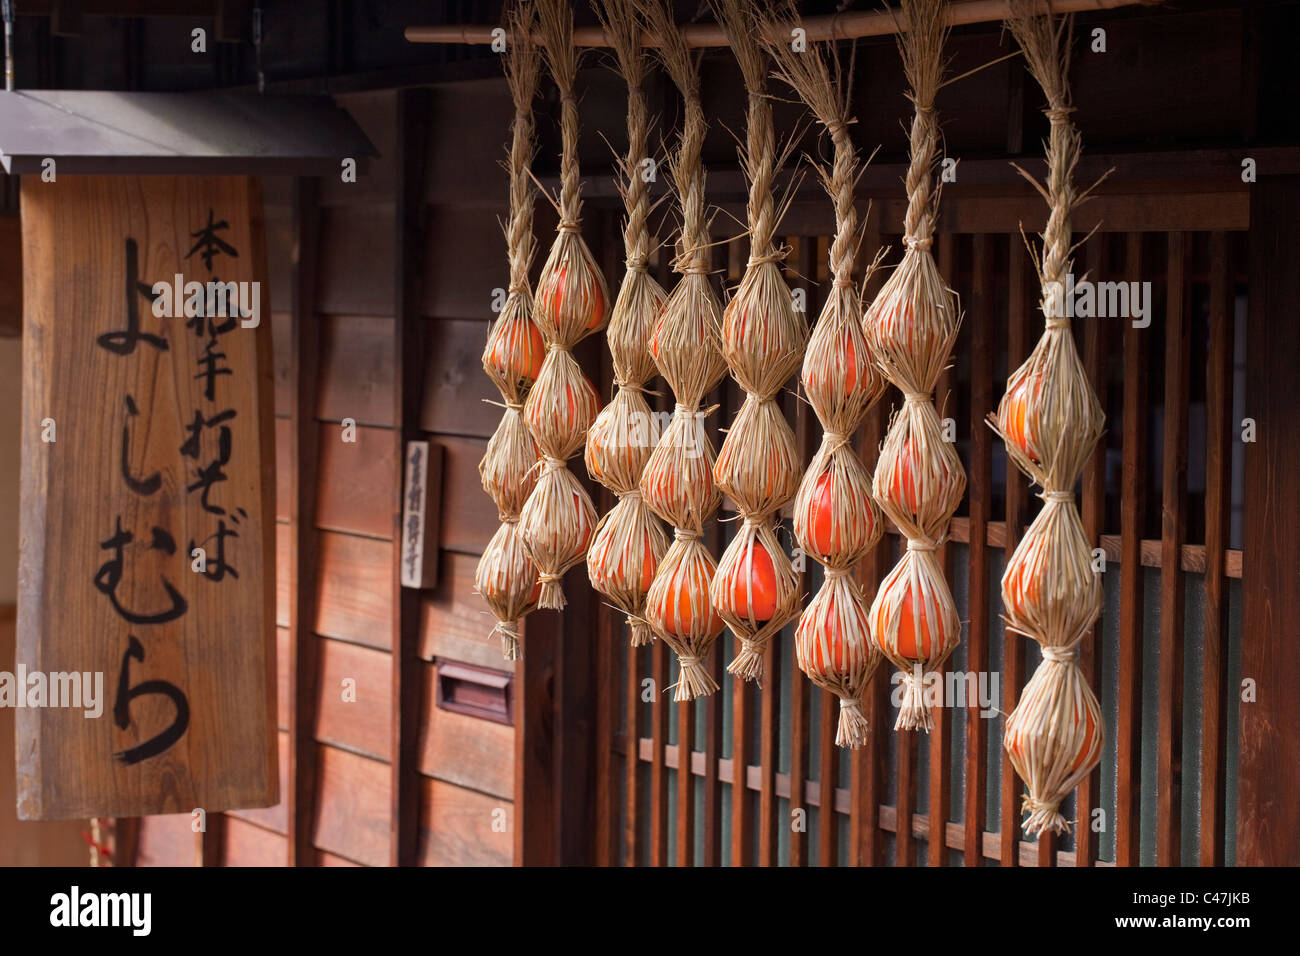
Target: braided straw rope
{"x": 558, "y": 520}
{"x": 677, "y": 482}
{"x": 912, "y": 325}
{"x": 505, "y": 576}
{"x": 1050, "y": 419}
{"x": 756, "y": 590}
{"x": 630, "y": 541}
{"x": 835, "y": 519}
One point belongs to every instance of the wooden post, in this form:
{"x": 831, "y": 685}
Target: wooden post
{"x": 1268, "y": 816}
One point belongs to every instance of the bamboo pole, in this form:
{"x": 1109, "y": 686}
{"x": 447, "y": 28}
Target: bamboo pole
{"x": 841, "y": 26}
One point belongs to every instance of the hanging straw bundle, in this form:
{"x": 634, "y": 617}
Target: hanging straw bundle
{"x": 558, "y": 519}
{"x": 630, "y": 541}
{"x": 763, "y": 338}
{"x": 512, "y": 358}
{"x": 835, "y": 519}
{"x": 912, "y": 325}
{"x": 678, "y": 480}
{"x": 1051, "y": 419}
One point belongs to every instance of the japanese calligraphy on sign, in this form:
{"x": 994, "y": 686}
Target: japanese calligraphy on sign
{"x": 419, "y": 518}
{"x": 146, "y": 544}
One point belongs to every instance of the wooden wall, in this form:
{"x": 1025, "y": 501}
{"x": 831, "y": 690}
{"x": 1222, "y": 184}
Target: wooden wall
{"x": 332, "y": 261}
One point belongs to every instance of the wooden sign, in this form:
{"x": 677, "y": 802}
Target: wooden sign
{"x": 420, "y": 514}
{"x": 147, "y": 528}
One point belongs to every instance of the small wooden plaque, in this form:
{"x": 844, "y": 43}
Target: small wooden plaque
{"x": 420, "y": 502}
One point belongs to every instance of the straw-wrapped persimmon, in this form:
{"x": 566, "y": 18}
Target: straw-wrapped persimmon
{"x": 829, "y": 649}
{"x": 1050, "y": 590}
{"x": 507, "y": 580}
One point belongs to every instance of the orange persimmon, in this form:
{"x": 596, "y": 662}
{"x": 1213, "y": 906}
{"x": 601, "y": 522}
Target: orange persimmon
{"x": 513, "y": 360}
{"x": 552, "y": 293}
{"x": 677, "y": 597}
{"x": 1017, "y": 424}
{"x": 822, "y": 517}
{"x": 916, "y": 640}
{"x": 755, "y": 598}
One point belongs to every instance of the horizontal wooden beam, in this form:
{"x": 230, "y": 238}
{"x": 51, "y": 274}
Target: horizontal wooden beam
{"x": 841, "y": 26}
{"x": 887, "y": 816}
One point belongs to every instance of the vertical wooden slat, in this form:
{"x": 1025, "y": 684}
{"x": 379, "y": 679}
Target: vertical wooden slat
{"x": 769, "y": 727}
{"x": 866, "y": 839}
{"x": 1093, "y": 513}
{"x": 1218, "y": 503}
{"x": 828, "y": 776}
{"x": 1169, "y": 720}
{"x": 742, "y": 701}
{"x": 1268, "y": 818}
{"x": 685, "y": 822}
{"x": 979, "y": 480}
{"x": 304, "y": 457}
{"x": 632, "y": 850}
{"x": 1128, "y": 780}
{"x": 941, "y": 736}
{"x": 210, "y": 842}
{"x": 807, "y": 436}
{"x": 413, "y": 109}
{"x": 609, "y": 625}
{"x": 1020, "y": 309}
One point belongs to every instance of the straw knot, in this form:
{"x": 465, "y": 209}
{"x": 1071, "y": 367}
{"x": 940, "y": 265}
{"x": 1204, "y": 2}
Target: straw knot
{"x": 752, "y": 521}
{"x": 916, "y": 398}
{"x": 547, "y": 577}
{"x": 920, "y": 544}
{"x": 686, "y": 660}
{"x": 844, "y": 282}
{"x": 636, "y": 263}
{"x": 633, "y": 495}
{"x": 776, "y": 255}
{"x": 688, "y": 534}
{"x": 515, "y": 406}
{"x": 833, "y": 440}
{"x": 569, "y": 225}
{"x": 1056, "y": 322}
{"x": 920, "y": 244}
{"x": 835, "y": 573}
{"x": 1059, "y": 496}
{"x": 518, "y": 287}
{"x": 552, "y": 463}
{"x": 1058, "y": 115}
{"x": 1061, "y": 655}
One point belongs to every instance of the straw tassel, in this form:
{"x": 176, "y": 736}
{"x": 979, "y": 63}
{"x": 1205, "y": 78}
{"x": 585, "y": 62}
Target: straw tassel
{"x": 1051, "y": 419}
{"x": 506, "y": 576}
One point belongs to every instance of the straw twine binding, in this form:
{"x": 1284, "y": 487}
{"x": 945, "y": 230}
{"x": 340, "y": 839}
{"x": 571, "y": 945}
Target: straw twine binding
{"x": 912, "y": 325}
{"x": 505, "y": 575}
{"x": 1050, "y": 419}
{"x": 835, "y": 519}
{"x": 572, "y": 302}
{"x": 677, "y": 482}
{"x": 630, "y": 541}
{"x": 763, "y": 340}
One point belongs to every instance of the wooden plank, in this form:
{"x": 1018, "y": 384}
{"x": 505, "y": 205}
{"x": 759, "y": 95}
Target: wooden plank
{"x": 11, "y": 275}
{"x": 459, "y": 399}
{"x": 164, "y": 840}
{"x": 1019, "y": 342}
{"x": 979, "y": 484}
{"x": 356, "y": 369}
{"x": 633, "y": 851}
{"x": 282, "y": 345}
{"x": 246, "y": 844}
{"x": 658, "y": 770}
{"x": 684, "y": 822}
{"x": 413, "y": 133}
{"x": 464, "y": 258}
{"x": 455, "y": 624}
{"x": 467, "y": 751}
{"x": 1219, "y": 429}
{"x": 95, "y": 596}
{"x": 358, "y": 249}
{"x": 468, "y": 519}
{"x": 1268, "y": 828}
{"x": 355, "y": 589}
{"x": 1093, "y": 513}
{"x": 352, "y": 812}
{"x": 301, "y": 597}
{"x": 1173, "y": 513}
{"x": 536, "y": 837}
{"x": 354, "y": 481}
{"x": 462, "y": 828}
{"x": 1128, "y": 779}
{"x": 271, "y": 818}
{"x": 354, "y": 698}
